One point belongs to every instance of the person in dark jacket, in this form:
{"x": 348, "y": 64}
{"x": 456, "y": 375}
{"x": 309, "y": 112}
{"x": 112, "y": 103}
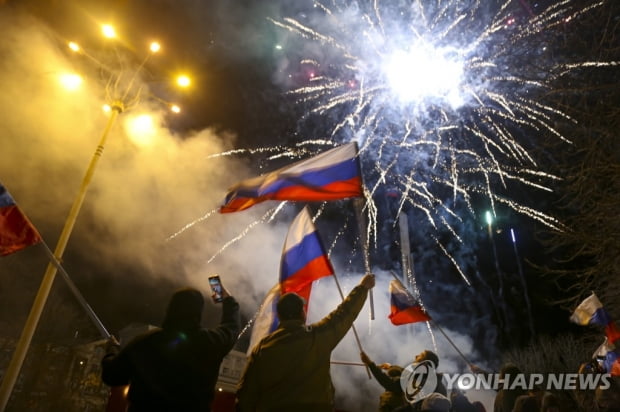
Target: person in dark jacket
{"x": 174, "y": 368}
{"x": 288, "y": 370}
{"x": 393, "y": 396}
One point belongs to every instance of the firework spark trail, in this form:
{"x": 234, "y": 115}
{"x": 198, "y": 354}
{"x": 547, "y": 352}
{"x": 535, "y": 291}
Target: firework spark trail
{"x": 472, "y": 135}
{"x": 267, "y": 217}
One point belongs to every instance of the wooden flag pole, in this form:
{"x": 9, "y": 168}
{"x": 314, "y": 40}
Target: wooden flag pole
{"x": 357, "y": 338}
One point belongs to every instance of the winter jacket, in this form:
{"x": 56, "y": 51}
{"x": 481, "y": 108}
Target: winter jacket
{"x": 174, "y": 368}
{"x": 289, "y": 369}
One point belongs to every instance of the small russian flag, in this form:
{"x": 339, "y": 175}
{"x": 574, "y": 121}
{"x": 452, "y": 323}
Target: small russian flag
{"x": 16, "y": 231}
{"x": 404, "y": 308}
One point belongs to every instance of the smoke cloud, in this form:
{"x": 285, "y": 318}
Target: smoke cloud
{"x": 121, "y": 254}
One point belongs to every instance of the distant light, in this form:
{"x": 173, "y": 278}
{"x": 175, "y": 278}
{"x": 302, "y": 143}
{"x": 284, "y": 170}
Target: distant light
{"x": 489, "y": 217}
{"x": 74, "y": 46}
{"x": 512, "y": 235}
{"x": 155, "y": 47}
{"x": 107, "y": 108}
{"x": 220, "y": 389}
{"x": 108, "y": 31}
{"x": 175, "y": 109}
{"x": 70, "y": 81}
{"x": 278, "y": 47}
{"x": 183, "y": 80}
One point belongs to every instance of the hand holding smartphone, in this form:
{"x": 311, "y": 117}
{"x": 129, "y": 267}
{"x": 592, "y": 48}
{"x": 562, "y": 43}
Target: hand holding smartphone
{"x": 216, "y": 288}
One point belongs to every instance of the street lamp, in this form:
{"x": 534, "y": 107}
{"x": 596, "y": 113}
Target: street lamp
{"x": 118, "y": 104}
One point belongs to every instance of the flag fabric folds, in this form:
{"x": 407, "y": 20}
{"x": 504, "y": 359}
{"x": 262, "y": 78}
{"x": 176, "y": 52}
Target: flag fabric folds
{"x": 404, "y": 308}
{"x": 303, "y": 261}
{"x": 16, "y": 231}
{"x": 592, "y": 312}
{"x": 607, "y": 354}
{"x": 266, "y": 320}
{"x": 331, "y": 175}
{"x": 304, "y": 258}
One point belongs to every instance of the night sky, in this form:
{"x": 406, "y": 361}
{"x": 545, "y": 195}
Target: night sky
{"x": 131, "y": 246}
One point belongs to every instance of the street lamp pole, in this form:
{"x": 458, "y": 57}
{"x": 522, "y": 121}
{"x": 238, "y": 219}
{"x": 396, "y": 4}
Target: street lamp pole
{"x": 12, "y": 372}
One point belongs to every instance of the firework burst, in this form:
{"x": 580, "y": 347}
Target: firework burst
{"x": 444, "y": 97}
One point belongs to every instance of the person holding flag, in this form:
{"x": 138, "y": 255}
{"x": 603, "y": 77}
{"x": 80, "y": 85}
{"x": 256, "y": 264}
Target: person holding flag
{"x": 290, "y": 368}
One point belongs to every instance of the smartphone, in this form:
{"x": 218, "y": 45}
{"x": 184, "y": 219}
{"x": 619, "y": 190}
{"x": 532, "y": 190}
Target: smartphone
{"x": 216, "y": 288}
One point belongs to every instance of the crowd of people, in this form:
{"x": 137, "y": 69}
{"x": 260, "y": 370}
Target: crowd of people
{"x": 175, "y": 367}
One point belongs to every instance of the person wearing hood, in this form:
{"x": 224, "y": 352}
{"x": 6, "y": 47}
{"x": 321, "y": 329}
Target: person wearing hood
{"x": 289, "y": 369}
{"x": 174, "y": 368}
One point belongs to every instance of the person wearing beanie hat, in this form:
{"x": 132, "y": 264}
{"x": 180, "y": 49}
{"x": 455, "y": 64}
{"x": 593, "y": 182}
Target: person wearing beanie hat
{"x": 174, "y": 368}
{"x": 288, "y": 370}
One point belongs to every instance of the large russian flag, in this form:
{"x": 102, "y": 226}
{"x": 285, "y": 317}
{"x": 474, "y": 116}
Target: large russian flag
{"x": 334, "y": 174}
{"x": 16, "y": 231}
{"x": 403, "y": 307}
{"x": 592, "y": 312}
{"x": 303, "y": 258}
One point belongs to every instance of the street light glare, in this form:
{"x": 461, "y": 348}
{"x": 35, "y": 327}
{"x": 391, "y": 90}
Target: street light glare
{"x": 70, "y": 81}
{"x": 108, "y": 31}
{"x": 155, "y": 47}
{"x": 175, "y": 109}
{"x": 74, "y": 46}
{"x": 183, "y": 81}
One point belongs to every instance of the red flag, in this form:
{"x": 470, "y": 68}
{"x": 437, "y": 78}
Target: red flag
{"x": 404, "y": 308}
{"x": 16, "y": 231}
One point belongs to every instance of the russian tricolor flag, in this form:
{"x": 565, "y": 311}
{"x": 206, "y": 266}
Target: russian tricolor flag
{"x": 592, "y": 312}
{"x": 334, "y": 174}
{"x": 303, "y": 258}
{"x": 303, "y": 261}
{"x": 16, "y": 231}
{"x": 403, "y": 307}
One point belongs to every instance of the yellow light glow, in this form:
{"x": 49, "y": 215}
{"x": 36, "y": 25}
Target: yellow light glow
{"x": 175, "y": 109}
{"x": 74, "y": 46}
{"x": 141, "y": 129}
{"x": 108, "y": 31}
{"x": 107, "y": 108}
{"x": 70, "y": 81}
{"x": 155, "y": 47}
{"x": 183, "y": 80}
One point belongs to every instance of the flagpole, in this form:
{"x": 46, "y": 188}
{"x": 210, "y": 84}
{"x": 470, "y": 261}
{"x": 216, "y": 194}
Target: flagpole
{"x": 76, "y": 292}
{"x": 358, "y": 206}
{"x": 357, "y": 338}
{"x": 12, "y": 371}
{"x": 452, "y": 343}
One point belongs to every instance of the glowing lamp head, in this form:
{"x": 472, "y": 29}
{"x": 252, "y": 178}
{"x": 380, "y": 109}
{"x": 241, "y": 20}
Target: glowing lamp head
{"x": 183, "y": 81}
{"x": 424, "y": 72}
{"x": 175, "y": 109}
{"x": 108, "y": 31}
{"x": 71, "y": 81}
{"x": 155, "y": 47}
{"x": 74, "y": 46}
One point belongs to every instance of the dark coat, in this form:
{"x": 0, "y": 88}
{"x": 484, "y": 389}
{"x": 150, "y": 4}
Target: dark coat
{"x": 174, "y": 368}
